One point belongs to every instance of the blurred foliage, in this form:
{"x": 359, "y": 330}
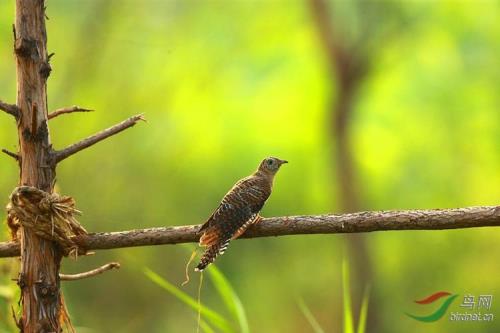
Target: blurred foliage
{"x": 9, "y": 294}
{"x": 215, "y": 319}
{"x": 316, "y": 327}
{"x": 226, "y": 83}
{"x": 348, "y": 318}
{"x": 232, "y": 302}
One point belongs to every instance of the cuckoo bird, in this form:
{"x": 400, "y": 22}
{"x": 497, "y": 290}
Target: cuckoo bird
{"x": 238, "y": 210}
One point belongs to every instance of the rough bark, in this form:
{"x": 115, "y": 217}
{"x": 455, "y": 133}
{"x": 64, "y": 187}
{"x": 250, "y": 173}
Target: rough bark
{"x": 433, "y": 219}
{"x": 40, "y": 259}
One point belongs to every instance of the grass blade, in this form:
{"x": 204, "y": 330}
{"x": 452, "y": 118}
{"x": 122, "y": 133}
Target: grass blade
{"x": 230, "y": 298}
{"x": 205, "y": 327}
{"x": 210, "y": 315}
{"x": 309, "y": 316}
{"x": 363, "y": 312}
{"x": 348, "y": 320}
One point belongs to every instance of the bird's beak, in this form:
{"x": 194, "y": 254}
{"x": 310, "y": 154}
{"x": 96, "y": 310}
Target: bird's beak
{"x": 283, "y": 162}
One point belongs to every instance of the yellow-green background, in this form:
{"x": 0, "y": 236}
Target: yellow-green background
{"x": 224, "y": 84}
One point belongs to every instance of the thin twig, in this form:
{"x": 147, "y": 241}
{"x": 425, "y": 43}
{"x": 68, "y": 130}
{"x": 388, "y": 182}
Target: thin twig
{"x": 60, "y": 155}
{"x": 70, "y": 109}
{"x": 94, "y": 272}
{"x": 11, "y": 109}
{"x": 11, "y": 154}
{"x": 432, "y": 219}
{"x": 14, "y": 316}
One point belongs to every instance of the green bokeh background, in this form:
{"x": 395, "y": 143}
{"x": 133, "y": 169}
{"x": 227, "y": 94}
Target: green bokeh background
{"x": 224, "y": 84}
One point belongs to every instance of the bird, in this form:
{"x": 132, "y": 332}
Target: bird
{"x": 238, "y": 210}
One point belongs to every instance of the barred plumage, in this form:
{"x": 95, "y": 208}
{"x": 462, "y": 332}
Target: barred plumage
{"x": 238, "y": 210}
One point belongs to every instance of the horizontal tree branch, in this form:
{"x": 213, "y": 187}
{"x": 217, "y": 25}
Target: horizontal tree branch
{"x": 70, "y": 109}
{"x": 60, "y": 155}
{"x": 11, "y": 109}
{"x": 92, "y": 273}
{"x": 433, "y": 219}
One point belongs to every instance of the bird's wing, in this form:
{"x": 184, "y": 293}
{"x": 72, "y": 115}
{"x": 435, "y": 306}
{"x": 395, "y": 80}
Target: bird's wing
{"x": 236, "y": 212}
{"x": 224, "y": 205}
{"x": 222, "y": 210}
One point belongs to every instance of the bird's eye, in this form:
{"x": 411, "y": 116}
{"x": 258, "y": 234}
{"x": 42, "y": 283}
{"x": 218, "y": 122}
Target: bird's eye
{"x": 269, "y": 162}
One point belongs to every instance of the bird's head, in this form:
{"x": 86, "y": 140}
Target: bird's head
{"x": 271, "y": 165}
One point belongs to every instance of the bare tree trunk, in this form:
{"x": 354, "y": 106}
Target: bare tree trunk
{"x": 349, "y": 71}
{"x": 348, "y": 188}
{"x": 347, "y": 68}
{"x": 40, "y": 259}
{"x": 340, "y": 112}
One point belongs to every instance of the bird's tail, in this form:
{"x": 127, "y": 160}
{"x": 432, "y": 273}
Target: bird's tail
{"x": 211, "y": 253}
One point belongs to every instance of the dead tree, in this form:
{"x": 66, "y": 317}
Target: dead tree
{"x": 40, "y": 258}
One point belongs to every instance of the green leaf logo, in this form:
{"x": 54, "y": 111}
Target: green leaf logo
{"x": 440, "y": 312}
